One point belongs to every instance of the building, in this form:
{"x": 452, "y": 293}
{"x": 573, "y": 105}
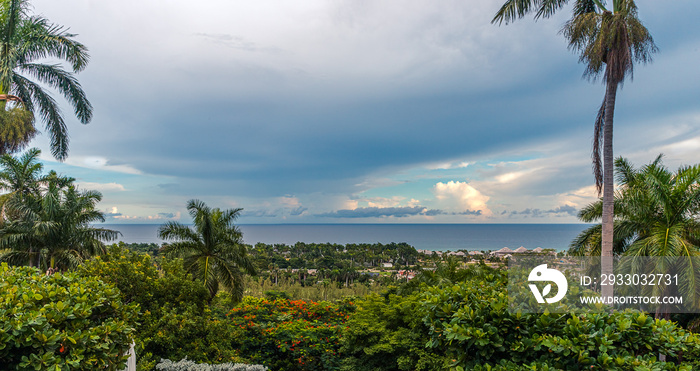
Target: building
{"x": 502, "y": 252}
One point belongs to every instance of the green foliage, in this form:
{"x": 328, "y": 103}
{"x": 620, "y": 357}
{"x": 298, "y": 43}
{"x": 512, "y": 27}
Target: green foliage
{"x": 152, "y": 249}
{"x": 47, "y": 221}
{"x": 175, "y": 321}
{"x": 16, "y": 129}
{"x": 187, "y": 365}
{"x": 655, "y": 212}
{"x": 213, "y": 250}
{"x": 62, "y": 321}
{"x": 387, "y": 333}
{"x": 274, "y": 295}
{"x": 316, "y": 291}
{"x": 26, "y": 40}
{"x": 448, "y": 271}
{"x": 331, "y": 256}
{"x": 471, "y": 322}
{"x": 290, "y": 334}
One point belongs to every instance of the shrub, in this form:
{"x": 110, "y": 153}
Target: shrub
{"x": 187, "y": 365}
{"x": 175, "y": 320}
{"x": 290, "y": 334}
{"x": 62, "y": 321}
{"x": 387, "y": 333}
{"x": 471, "y": 322}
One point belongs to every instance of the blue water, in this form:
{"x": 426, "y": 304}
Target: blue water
{"x": 420, "y": 236}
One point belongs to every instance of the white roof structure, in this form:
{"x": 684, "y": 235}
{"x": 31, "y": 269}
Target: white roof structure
{"x": 476, "y": 253}
{"x": 537, "y": 249}
{"x": 521, "y": 250}
{"x": 504, "y": 250}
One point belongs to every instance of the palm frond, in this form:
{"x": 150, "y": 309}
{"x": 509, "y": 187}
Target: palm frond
{"x": 174, "y": 231}
{"x": 63, "y": 81}
{"x": 45, "y": 40}
{"x": 597, "y": 148}
{"x": 50, "y": 114}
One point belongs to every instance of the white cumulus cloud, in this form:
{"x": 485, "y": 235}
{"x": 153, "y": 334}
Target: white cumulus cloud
{"x": 461, "y": 196}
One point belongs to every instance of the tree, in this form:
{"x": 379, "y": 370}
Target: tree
{"x": 213, "y": 251}
{"x": 20, "y": 177}
{"x": 25, "y": 39}
{"x": 656, "y": 216}
{"x": 52, "y": 228}
{"x": 612, "y": 38}
{"x": 656, "y": 212}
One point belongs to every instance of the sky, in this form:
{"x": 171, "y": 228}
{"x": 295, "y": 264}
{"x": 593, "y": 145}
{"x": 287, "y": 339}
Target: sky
{"x": 358, "y": 111}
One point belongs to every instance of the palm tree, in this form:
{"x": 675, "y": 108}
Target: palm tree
{"x": 612, "y": 38}
{"x": 656, "y": 213}
{"x": 656, "y": 216}
{"x": 21, "y": 176}
{"x": 213, "y": 251}
{"x": 52, "y": 228}
{"x": 25, "y": 39}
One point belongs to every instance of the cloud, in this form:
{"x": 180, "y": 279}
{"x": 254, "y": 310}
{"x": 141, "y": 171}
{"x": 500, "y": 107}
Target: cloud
{"x": 277, "y": 207}
{"x": 513, "y": 176}
{"x": 298, "y": 211}
{"x": 469, "y": 212}
{"x": 98, "y": 162}
{"x": 564, "y": 210}
{"x": 259, "y": 214}
{"x": 447, "y": 165}
{"x": 461, "y": 195}
{"x": 383, "y": 202}
{"x": 114, "y": 214}
{"x": 578, "y": 197}
{"x": 102, "y": 187}
{"x": 235, "y": 42}
{"x": 382, "y": 86}
{"x": 380, "y": 212}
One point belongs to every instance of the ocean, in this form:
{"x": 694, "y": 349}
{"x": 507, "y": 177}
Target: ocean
{"x": 421, "y": 236}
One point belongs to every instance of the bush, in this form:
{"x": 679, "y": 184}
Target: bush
{"x": 290, "y": 334}
{"x": 387, "y": 333}
{"x": 471, "y": 322}
{"x": 187, "y": 365}
{"x": 175, "y": 320}
{"x": 62, "y": 321}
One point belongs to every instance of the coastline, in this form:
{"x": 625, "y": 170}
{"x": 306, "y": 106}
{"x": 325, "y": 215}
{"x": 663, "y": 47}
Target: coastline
{"x": 443, "y": 237}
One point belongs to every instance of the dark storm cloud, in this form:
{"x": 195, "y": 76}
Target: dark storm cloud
{"x": 218, "y": 122}
{"x": 273, "y": 149}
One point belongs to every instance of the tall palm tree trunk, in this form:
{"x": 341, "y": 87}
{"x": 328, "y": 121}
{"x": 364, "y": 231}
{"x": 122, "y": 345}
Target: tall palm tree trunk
{"x": 606, "y": 251}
